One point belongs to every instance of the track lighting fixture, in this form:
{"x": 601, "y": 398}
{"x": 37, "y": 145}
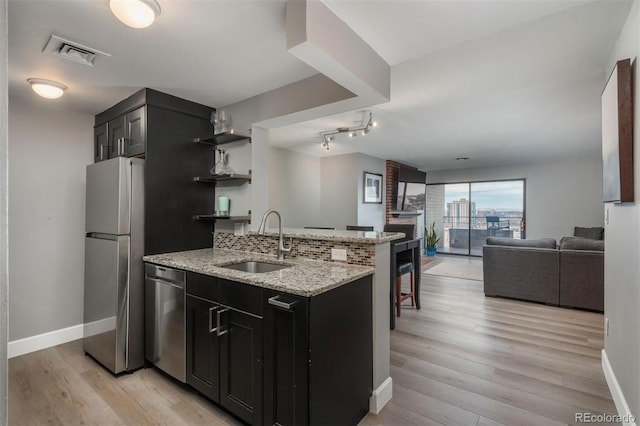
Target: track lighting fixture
{"x": 351, "y": 131}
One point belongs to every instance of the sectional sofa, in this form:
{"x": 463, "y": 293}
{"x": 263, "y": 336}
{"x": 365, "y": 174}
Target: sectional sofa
{"x": 570, "y": 274}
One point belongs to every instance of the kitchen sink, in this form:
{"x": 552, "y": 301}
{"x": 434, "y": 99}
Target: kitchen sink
{"x": 256, "y": 267}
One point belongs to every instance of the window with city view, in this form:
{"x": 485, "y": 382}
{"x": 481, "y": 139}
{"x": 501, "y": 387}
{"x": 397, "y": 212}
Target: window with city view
{"x": 467, "y": 213}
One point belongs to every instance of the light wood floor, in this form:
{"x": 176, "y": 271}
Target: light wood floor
{"x": 462, "y": 359}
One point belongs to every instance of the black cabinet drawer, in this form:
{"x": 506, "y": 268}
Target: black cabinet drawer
{"x": 244, "y": 297}
{"x": 204, "y": 286}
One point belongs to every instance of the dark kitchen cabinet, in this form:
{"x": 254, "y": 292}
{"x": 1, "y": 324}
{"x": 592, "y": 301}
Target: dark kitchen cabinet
{"x": 286, "y": 359}
{"x": 115, "y": 130}
{"x": 224, "y": 343}
{"x": 318, "y": 356}
{"x": 203, "y": 371}
{"x": 241, "y": 364}
{"x": 160, "y": 128}
{"x": 135, "y": 139}
{"x": 100, "y": 143}
{"x": 127, "y": 134}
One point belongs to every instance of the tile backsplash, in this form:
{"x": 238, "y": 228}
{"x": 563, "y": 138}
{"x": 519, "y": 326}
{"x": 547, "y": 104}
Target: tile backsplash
{"x": 357, "y": 253}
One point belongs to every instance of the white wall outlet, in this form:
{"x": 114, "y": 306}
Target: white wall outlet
{"x": 606, "y": 326}
{"x": 339, "y": 254}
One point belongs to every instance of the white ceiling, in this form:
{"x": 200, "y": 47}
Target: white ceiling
{"x": 209, "y": 51}
{"x": 502, "y": 82}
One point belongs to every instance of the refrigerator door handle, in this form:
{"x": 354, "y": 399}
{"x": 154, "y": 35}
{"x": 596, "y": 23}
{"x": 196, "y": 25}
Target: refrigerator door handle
{"x": 99, "y": 236}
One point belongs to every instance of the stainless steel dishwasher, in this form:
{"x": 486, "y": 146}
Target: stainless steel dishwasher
{"x": 164, "y": 320}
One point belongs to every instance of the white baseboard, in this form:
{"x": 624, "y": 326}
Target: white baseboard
{"x": 616, "y": 392}
{"x": 381, "y": 396}
{"x": 100, "y": 326}
{"x": 45, "y": 340}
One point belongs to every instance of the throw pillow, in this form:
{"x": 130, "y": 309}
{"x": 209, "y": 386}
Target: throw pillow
{"x": 595, "y": 233}
{"x": 578, "y": 243}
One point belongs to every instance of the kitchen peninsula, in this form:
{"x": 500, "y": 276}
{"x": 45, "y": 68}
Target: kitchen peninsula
{"x": 323, "y": 352}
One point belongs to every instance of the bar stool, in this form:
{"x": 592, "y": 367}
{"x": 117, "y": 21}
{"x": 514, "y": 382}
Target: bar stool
{"x": 402, "y": 269}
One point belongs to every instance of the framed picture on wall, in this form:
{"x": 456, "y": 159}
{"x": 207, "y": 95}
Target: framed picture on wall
{"x": 617, "y": 135}
{"x": 372, "y": 188}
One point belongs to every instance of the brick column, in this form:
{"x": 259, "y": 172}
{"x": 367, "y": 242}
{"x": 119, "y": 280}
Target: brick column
{"x": 392, "y": 189}
{"x": 392, "y": 195}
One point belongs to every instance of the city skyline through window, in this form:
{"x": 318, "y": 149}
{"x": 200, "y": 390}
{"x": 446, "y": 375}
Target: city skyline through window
{"x": 467, "y": 213}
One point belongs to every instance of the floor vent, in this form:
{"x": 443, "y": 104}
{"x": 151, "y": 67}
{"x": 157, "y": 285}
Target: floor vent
{"x": 73, "y": 51}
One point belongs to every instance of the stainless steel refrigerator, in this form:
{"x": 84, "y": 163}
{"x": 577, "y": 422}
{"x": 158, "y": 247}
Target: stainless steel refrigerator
{"x": 114, "y": 271}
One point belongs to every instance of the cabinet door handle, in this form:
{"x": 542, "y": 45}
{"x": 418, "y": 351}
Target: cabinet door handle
{"x": 124, "y": 146}
{"x": 120, "y": 146}
{"x": 101, "y": 152}
{"x": 211, "y": 327}
{"x": 219, "y": 331}
{"x": 280, "y": 304}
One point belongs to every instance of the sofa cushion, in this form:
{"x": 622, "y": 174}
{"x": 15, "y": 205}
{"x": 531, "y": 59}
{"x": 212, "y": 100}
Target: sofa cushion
{"x": 577, "y": 243}
{"x": 596, "y": 233}
{"x": 548, "y": 243}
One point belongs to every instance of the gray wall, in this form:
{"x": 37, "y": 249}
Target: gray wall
{"x": 559, "y": 195}
{"x": 371, "y": 214}
{"x": 48, "y": 151}
{"x": 327, "y": 191}
{"x": 4, "y": 165}
{"x": 338, "y": 199}
{"x": 294, "y": 187}
{"x": 342, "y": 191}
{"x": 259, "y": 174}
{"x": 622, "y": 250}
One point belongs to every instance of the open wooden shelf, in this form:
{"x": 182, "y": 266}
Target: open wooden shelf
{"x": 233, "y": 178}
{"x": 218, "y": 217}
{"x": 223, "y": 138}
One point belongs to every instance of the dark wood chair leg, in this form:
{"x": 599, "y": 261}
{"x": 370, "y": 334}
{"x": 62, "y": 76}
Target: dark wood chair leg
{"x": 413, "y": 290}
{"x": 398, "y": 294}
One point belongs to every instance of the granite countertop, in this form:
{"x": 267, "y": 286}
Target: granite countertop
{"x": 303, "y": 277}
{"x": 365, "y": 237}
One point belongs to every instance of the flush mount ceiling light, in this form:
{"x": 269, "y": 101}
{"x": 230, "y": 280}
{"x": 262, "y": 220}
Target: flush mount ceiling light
{"x": 47, "y": 88}
{"x": 135, "y": 13}
{"x": 351, "y": 131}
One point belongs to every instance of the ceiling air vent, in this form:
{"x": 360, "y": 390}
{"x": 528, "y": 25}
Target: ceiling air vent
{"x": 73, "y": 51}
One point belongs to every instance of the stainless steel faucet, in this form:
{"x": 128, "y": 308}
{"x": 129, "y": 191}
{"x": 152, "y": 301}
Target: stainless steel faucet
{"x": 263, "y": 224}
